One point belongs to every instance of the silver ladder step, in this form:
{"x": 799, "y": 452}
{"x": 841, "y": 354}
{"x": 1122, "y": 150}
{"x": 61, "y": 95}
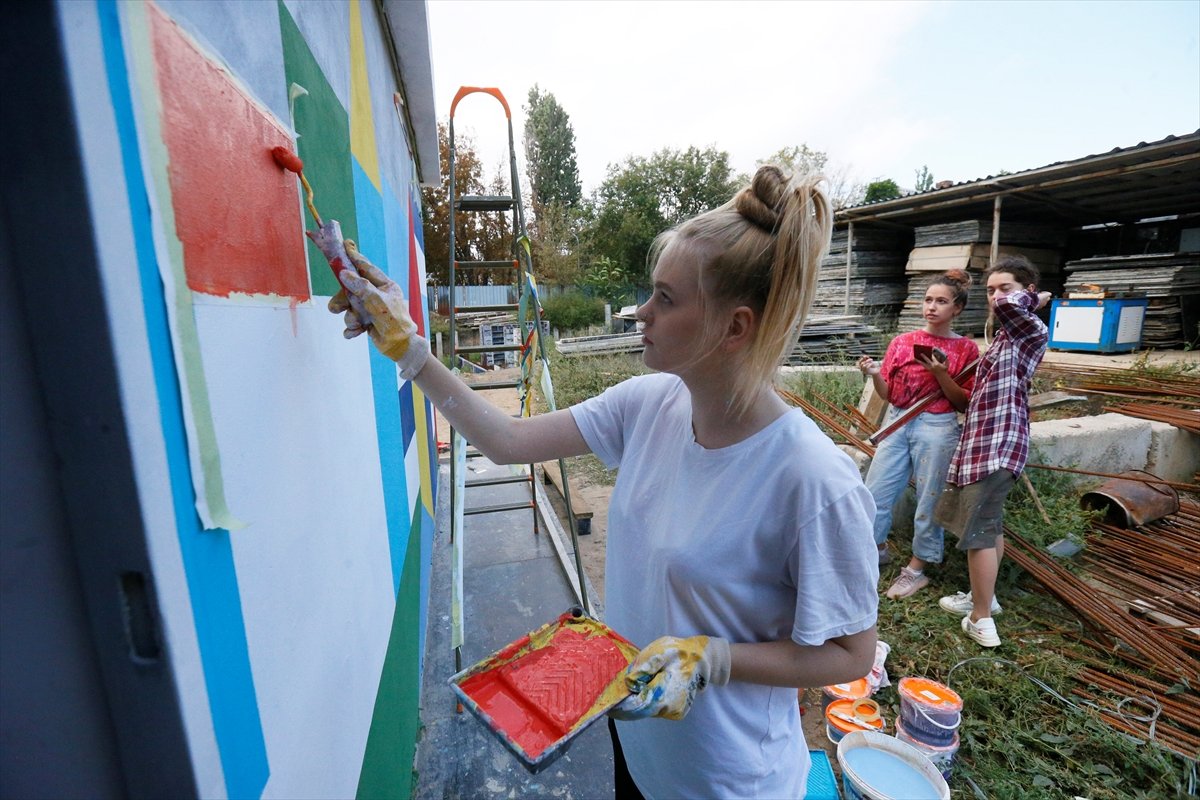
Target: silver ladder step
{"x": 484, "y": 202}
{"x": 521, "y": 506}
{"x": 509, "y": 264}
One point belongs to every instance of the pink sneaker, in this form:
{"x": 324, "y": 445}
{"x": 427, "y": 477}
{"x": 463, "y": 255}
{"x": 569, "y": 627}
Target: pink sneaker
{"x": 909, "y": 582}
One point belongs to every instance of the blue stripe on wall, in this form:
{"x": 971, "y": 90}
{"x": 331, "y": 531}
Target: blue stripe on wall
{"x": 207, "y": 555}
{"x": 374, "y": 244}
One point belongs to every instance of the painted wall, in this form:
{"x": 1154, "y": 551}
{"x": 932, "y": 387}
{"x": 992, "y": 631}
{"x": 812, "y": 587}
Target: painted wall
{"x": 286, "y": 477}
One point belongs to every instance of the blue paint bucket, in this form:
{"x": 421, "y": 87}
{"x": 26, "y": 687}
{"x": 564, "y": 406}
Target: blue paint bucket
{"x": 941, "y": 756}
{"x": 876, "y": 766}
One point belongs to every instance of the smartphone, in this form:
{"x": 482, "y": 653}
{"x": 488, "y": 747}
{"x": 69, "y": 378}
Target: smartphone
{"x": 928, "y": 351}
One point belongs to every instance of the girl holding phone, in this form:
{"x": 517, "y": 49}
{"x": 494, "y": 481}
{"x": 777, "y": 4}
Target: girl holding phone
{"x": 917, "y": 363}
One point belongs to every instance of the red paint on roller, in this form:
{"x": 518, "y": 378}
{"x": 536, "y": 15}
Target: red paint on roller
{"x": 539, "y": 697}
{"x": 286, "y": 159}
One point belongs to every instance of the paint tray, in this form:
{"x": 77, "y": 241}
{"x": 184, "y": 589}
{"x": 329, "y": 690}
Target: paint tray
{"x": 538, "y": 693}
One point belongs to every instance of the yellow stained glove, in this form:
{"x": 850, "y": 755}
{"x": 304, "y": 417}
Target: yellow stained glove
{"x": 666, "y": 675}
{"x": 372, "y": 302}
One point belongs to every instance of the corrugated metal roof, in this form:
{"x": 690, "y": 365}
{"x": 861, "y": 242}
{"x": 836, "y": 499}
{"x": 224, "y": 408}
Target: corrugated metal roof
{"x": 1149, "y": 179}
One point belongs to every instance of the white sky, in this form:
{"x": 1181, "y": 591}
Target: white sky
{"x": 967, "y": 88}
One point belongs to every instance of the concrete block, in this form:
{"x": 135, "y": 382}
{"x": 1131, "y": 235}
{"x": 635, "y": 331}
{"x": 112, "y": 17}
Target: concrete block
{"x": 1104, "y": 443}
{"x": 1174, "y": 453}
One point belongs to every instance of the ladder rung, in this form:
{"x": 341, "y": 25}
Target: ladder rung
{"x": 482, "y": 202}
{"x": 495, "y": 385}
{"x": 499, "y": 481}
{"x": 485, "y": 264}
{"x": 500, "y": 507}
{"x": 489, "y": 348}
{"x": 474, "y": 309}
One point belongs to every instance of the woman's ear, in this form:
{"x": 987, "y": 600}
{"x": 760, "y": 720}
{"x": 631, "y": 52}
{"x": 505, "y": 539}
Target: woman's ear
{"x": 740, "y": 332}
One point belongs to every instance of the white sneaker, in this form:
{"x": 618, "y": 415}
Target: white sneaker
{"x": 983, "y": 631}
{"x": 961, "y": 603}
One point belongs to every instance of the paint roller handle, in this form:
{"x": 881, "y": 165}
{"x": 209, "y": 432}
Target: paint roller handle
{"x": 372, "y": 302}
{"x": 666, "y": 675}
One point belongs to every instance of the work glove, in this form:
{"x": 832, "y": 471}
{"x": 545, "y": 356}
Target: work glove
{"x": 664, "y": 677}
{"x": 372, "y": 302}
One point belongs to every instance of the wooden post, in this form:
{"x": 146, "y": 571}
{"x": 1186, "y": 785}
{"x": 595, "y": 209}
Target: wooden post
{"x": 995, "y": 231}
{"x": 849, "y": 255}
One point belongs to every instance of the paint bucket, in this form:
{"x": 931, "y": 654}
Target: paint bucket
{"x": 837, "y": 725}
{"x": 876, "y": 766}
{"x": 929, "y": 710}
{"x": 854, "y": 690}
{"x": 942, "y": 757}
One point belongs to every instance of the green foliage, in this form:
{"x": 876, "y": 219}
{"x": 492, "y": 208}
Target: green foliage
{"x": 550, "y": 153}
{"x": 477, "y": 236}
{"x": 572, "y": 311}
{"x": 608, "y": 281}
{"x": 576, "y": 378}
{"x": 644, "y": 197}
{"x": 885, "y": 189}
{"x": 924, "y": 180}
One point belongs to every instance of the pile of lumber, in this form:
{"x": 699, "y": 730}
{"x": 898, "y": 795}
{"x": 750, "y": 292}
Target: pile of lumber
{"x": 980, "y": 230}
{"x": 823, "y": 340}
{"x": 967, "y": 246}
{"x": 876, "y": 286}
{"x": 1170, "y": 280}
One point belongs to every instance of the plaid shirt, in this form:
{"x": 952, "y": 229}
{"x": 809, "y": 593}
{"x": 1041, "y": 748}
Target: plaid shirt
{"x": 996, "y": 430}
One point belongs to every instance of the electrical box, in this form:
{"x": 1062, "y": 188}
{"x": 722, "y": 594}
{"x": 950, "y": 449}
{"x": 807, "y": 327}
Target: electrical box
{"x": 1105, "y": 325}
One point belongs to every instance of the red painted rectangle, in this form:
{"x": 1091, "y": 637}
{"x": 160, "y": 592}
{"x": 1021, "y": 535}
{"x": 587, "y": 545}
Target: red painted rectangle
{"x": 237, "y": 214}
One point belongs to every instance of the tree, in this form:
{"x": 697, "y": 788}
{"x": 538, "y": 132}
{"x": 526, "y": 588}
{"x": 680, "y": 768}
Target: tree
{"x": 555, "y": 193}
{"x": 843, "y": 189}
{"x": 643, "y": 197}
{"x": 550, "y": 153}
{"x": 478, "y": 236}
{"x": 885, "y": 189}
{"x": 924, "y": 180}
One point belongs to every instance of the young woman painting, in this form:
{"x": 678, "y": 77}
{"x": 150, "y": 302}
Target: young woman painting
{"x": 739, "y": 551}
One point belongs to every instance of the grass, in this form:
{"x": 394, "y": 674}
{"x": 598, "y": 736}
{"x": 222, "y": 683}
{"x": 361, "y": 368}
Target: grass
{"x": 1017, "y": 739}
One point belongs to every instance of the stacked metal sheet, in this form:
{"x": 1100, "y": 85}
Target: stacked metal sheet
{"x": 876, "y": 287}
{"x": 1170, "y": 280}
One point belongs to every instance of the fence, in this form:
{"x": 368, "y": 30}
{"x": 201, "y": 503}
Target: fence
{"x": 439, "y": 296}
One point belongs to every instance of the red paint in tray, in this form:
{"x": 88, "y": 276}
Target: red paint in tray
{"x": 542, "y": 689}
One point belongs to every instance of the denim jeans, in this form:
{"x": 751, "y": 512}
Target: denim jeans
{"x": 922, "y": 449}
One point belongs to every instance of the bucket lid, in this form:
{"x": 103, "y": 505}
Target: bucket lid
{"x": 849, "y": 691}
{"x": 846, "y": 708}
{"x": 929, "y": 693}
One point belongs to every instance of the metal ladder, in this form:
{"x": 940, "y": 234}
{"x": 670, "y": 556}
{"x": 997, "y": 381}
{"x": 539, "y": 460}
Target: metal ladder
{"x": 530, "y": 345}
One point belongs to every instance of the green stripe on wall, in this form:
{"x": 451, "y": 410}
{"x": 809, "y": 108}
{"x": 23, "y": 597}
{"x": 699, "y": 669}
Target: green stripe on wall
{"x": 323, "y": 126}
{"x": 392, "y": 742}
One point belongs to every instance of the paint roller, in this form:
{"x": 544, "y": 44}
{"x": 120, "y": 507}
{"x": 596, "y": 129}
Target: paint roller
{"x": 328, "y": 236}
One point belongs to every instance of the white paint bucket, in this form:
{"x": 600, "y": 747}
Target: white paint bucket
{"x": 876, "y": 766}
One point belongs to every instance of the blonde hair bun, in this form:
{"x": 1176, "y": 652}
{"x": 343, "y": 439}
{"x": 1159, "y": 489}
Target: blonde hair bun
{"x": 761, "y": 201}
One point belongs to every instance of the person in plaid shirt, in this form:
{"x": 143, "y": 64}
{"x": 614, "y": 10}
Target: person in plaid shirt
{"x": 994, "y": 445}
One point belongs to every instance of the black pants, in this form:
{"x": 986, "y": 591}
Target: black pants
{"x": 623, "y": 786}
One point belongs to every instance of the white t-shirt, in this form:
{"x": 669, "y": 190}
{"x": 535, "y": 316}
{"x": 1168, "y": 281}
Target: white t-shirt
{"x": 767, "y": 539}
